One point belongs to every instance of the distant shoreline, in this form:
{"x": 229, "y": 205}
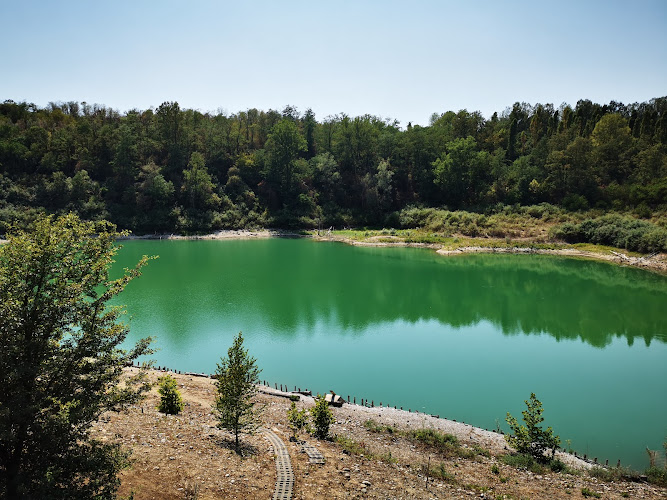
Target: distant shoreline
{"x": 655, "y": 263}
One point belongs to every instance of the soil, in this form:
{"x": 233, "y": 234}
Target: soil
{"x": 186, "y": 456}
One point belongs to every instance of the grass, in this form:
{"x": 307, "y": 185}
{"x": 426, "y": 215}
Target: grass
{"x": 353, "y": 447}
{"x": 540, "y": 226}
{"x": 447, "y": 445}
{"x": 439, "y": 472}
{"x": 610, "y": 474}
{"x": 373, "y": 426}
{"x": 586, "y": 492}
{"x": 521, "y": 461}
{"x": 657, "y": 476}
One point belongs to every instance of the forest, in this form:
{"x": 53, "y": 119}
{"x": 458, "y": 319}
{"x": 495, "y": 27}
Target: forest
{"x": 180, "y": 170}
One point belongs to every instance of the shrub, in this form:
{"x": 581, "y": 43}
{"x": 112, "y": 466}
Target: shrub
{"x": 322, "y": 417}
{"x": 531, "y": 438}
{"x": 171, "y": 401}
{"x": 522, "y": 461}
{"x": 615, "y": 230}
{"x": 657, "y": 475}
{"x": 590, "y": 493}
{"x": 298, "y": 419}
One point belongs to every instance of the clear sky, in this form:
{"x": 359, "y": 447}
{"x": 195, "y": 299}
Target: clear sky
{"x": 396, "y": 59}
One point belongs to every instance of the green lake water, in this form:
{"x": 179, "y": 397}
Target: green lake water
{"x": 466, "y": 337}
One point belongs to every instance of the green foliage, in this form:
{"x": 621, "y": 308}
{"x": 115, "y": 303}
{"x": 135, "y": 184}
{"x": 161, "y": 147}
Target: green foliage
{"x": 439, "y": 472}
{"x": 522, "y": 461}
{"x": 352, "y": 447}
{"x": 298, "y": 419}
{"x": 586, "y": 492}
{"x": 531, "y": 438}
{"x": 236, "y": 379}
{"x": 321, "y": 416}
{"x": 615, "y": 230}
{"x": 251, "y": 168}
{"x": 373, "y": 426}
{"x": 171, "y": 401}
{"x": 60, "y": 362}
{"x": 447, "y": 445}
{"x": 657, "y": 475}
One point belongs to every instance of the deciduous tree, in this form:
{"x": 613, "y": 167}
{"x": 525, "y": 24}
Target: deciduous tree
{"x": 61, "y": 360}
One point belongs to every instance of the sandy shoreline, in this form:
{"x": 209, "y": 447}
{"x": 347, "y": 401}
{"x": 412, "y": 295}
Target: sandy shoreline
{"x": 406, "y": 420}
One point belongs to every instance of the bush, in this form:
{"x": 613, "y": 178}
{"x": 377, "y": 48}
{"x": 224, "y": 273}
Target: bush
{"x": 531, "y": 438}
{"x": 298, "y": 419}
{"x": 171, "y": 401}
{"x": 615, "y": 230}
{"x": 522, "y": 461}
{"x": 590, "y": 493}
{"x": 322, "y": 417}
{"x": 657, "y": 475}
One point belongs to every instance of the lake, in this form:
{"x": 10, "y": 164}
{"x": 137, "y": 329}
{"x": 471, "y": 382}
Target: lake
{"x": 466, "y": 337}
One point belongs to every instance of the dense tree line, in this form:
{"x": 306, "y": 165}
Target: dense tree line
{"x": 173, "y": 169}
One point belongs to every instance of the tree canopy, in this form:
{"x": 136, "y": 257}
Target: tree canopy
{"x": 61, "y": 360}
{"x": 174, "y": 169}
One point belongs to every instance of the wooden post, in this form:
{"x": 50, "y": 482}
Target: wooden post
{"x": 606, "y": 462}
{"x": 619, "y": 463}
{"x": 372, "y": 405}
{"x": 354, "y": 399}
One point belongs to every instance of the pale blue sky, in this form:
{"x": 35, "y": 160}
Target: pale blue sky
{"x": 394, "y": 59}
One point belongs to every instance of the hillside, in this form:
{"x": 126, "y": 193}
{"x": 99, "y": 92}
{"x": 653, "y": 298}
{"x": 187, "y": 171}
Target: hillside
{"x": 373, "y": 456}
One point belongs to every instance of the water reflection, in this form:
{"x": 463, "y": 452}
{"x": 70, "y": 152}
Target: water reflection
{"x": 291, "y": 286}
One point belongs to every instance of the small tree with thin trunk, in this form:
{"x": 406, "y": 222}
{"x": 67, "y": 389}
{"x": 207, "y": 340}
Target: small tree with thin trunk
{"x": 531, "y": 438}
{"x": 236, "y": 379}
{"x": 322, "y": 416}
{"x": 171, "y": 401}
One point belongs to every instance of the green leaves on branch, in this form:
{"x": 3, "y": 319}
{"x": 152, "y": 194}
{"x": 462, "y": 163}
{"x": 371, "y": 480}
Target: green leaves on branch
{"x": 322, "y": 417}
{"x": 298, "y": 419}
{"x": 531, "y": 438}
{"x": 61, "y": 361}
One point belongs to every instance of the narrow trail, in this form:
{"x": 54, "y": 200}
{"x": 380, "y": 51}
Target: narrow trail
{"x": 285, "y": 475}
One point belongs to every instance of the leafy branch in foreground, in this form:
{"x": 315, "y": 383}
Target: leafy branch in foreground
{"x": 60, "y": 362}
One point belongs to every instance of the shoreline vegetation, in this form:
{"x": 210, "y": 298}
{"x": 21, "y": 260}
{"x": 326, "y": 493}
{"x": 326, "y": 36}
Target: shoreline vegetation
{"x": 447, "y": 246}
{"x": 375, "y": 452}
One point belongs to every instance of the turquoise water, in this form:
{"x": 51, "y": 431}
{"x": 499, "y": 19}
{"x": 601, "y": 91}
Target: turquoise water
{"x": 466, "y": 337}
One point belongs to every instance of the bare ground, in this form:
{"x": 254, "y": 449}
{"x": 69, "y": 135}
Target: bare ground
{"x": 176, "y": 457}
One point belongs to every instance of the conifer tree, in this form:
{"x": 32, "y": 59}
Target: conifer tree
{"x": 236, "y": 379}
